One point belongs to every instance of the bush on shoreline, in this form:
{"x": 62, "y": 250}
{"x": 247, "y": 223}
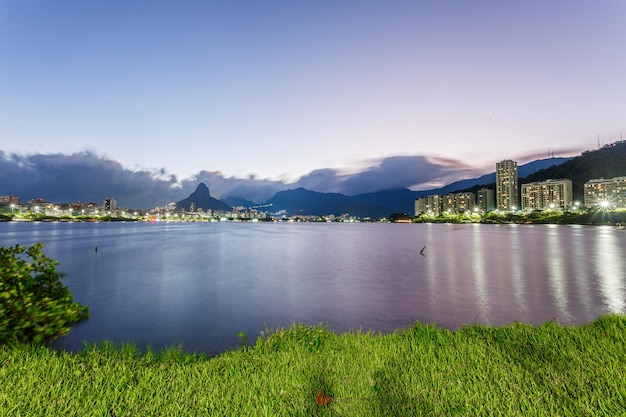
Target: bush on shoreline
{"x": 34, "y": 305}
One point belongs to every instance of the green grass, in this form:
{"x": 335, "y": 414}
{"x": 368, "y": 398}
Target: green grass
{"x": 515, "y": 370}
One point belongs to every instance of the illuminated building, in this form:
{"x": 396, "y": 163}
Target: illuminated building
{"x": 506, "y": 185}
{"x": 9, "y": 199}
{"x": 485, "y": 200}
{"x": 428, "y": 205}
{"x": 110, "y": 204}
{"x": 458, "y": 202}
{"x": 606, "y": 193}
{"x": 549, "y": 194}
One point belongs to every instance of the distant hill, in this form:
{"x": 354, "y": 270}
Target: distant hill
{"x": 201, "y": 199}
{"x": 522, "y": 171}
{"x": 238, "y": 201}
{"x": 403, "y": 200}
{"x": 606, "y": 162}
{"x": 382, "y": 203}
{"x": 305, "y": 202}
{"x": 400, "y": 200}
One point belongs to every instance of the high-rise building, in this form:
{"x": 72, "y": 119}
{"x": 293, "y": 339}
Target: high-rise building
{"x": 110, "y": 204}
{"x": 430, "y": 205}
{"x": 506, "y": 185}
{"x": 549, "y": 194}
{"x": 485, "y": 200}
{"x": 458, "y": 202}
{"x": 606, "y": 193}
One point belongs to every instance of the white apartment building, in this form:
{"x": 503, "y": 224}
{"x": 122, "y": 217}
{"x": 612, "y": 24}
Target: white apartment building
{"x": 458, "y": 202}
{"x": 109, "y": 204}
{"x": 606, "y": 193}
{"x": 548, "y": 194}
{"x": 428, "y": 205}
{"x": 506, "y": 185}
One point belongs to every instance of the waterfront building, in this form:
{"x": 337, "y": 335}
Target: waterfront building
{"x": 458, "y": 202}
{"x": 447, "y": 203}
{"x": 109, "y": 204}
{"x": 464, "y": 201}
{"x": 9, "y": 199}
{"x": 606, "y": 193}
{"x": 549, "y": 194}
{"x": 430, "y": 205}
{"x": 485, "y": 200}
{"x": 506, "y": 185}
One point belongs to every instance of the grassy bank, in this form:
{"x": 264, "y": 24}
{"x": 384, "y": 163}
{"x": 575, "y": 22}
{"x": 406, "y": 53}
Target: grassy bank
{"x": 549, "y": 370}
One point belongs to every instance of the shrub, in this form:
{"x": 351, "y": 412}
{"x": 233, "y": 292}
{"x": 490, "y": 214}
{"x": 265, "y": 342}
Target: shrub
{"x": 34, "y": 305}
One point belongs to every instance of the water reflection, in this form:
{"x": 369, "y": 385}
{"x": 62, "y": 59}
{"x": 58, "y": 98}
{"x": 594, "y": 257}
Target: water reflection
{"x": 580, "y": 268}
{"x": 200, "y": 284}
{"x": 480, "y": 274}
{"x": 516, "y": 272}
{"x": 611, "y": 270}
{"x": 556, "y": 271}
{"x": 431, "y": 264}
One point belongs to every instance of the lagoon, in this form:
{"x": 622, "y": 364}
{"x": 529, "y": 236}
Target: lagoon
{"x": 199, "y": 284}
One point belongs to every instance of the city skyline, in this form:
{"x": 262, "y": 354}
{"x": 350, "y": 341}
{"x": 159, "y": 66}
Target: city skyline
{"x": 89, "y": 178}
{"x": 500, "y": 191}
{"x": 329, "y": 96}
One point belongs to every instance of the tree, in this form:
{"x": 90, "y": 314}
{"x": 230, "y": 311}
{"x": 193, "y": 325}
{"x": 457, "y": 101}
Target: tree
{"x": 34, "y": 305}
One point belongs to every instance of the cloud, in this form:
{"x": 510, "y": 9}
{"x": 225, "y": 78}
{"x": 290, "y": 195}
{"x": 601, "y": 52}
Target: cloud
{"x": 556, "y": 152}
{"x": 82, "y": 176}
{"x": 256, "y": 190}
{"x": 413, "y": 171}
{"x": 86, "y": 176}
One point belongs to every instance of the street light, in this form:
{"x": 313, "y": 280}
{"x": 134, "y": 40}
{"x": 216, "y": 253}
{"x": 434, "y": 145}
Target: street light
{"x": 12, "y": 207}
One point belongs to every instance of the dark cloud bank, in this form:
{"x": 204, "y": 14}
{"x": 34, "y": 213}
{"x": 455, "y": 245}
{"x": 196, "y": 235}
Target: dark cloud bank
{"x": 87, "y": 177}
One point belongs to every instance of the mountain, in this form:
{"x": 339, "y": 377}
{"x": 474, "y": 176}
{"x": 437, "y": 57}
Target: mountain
{"x": 201, "y": 199}
{"x": 301, "y": 201}
{"x": 606, "y": 162}
{"x": 385, "y": 202}
{"x": 238, "y": 201}
{"x": 403, "y": 200}
{"x": 400, "y": 200}
{"x": 522, "y": 171}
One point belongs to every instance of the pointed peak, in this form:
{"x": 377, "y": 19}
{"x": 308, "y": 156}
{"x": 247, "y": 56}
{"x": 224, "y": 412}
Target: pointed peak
{"x": 202, "y": 188}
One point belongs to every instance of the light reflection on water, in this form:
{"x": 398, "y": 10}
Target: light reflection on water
{"x": 556, "y": 272}
{"x": 199, "y": 284}
{"x": 611, "y": 270}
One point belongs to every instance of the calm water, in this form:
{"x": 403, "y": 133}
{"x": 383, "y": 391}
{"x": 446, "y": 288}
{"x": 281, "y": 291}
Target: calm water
{"x": 200, "y": 283}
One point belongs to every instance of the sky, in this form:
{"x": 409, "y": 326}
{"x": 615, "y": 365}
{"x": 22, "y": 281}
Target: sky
{"x": 253, "y": 97}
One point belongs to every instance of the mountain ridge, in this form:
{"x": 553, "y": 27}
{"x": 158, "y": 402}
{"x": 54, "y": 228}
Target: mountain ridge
{"x": 379, "y": 204}
{"x": 201, "y": 199}
{"x": 608, "y": 161}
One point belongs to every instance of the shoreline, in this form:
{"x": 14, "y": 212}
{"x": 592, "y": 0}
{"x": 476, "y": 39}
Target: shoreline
{"x": 513, "y": 370}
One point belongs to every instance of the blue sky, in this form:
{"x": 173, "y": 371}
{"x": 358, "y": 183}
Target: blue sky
{"x": 284, "y": 92}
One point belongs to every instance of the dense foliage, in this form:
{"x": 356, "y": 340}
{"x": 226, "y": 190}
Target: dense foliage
{"x": 596, "y": 216}
{"x": 34, "y": 305}
{"x": 606, "y": 162}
